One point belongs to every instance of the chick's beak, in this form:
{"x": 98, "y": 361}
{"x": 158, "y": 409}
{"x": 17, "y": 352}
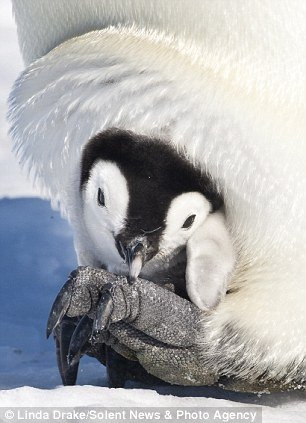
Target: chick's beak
{"x": 134, "y": 253}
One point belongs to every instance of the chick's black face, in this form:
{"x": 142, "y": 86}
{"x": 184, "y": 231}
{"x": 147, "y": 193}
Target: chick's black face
{"x": 147, "y": 209}
{"x": 142, "y": 231}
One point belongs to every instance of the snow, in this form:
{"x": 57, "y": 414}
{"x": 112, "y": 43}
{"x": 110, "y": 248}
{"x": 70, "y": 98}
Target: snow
{"x": 36, "y": 256}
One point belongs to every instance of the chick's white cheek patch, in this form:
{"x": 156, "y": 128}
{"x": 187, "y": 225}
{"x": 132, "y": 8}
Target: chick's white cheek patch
{"x": 182, "y": 207}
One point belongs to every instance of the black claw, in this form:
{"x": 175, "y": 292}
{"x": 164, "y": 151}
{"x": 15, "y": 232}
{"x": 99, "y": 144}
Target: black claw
{"x": 59, "y": 307}
{"x": 62, "y": 338}
{"x": 103, "y": 315}
{"x": 79, "y": 339}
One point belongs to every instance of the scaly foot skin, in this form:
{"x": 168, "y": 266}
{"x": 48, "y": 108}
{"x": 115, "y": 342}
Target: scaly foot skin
{"x": 141, "y": 321}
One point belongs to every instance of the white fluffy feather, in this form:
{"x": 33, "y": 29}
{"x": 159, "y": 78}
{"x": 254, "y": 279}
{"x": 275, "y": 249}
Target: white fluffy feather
{"x": 225, "y": 82}
{"x": 210, "y": 262}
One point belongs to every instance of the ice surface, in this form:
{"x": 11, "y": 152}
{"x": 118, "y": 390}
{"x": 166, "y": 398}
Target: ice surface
{"x": 36, "y": 256}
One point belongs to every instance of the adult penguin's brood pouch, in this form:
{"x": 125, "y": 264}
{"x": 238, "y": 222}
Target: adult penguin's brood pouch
{"x": 221, "y": 81}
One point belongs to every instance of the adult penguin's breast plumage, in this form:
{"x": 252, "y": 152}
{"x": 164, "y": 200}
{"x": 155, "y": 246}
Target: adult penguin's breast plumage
{"x": 222, "y": 84}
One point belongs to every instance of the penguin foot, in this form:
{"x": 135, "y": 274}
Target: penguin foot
{"x": 142, "y": 322}
{"x": 71, "y": 326}
{"x": 79, "y": 295}
{"x": 77, "y": 333}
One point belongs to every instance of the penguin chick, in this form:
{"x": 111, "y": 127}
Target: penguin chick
{"x": 148, "y": 212}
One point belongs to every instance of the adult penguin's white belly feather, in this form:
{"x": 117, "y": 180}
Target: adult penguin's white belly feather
{"x": 226, "y": 85}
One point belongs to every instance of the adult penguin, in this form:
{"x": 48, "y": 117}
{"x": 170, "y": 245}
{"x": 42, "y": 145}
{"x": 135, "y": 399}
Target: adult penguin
{"x": 225, "y": 84}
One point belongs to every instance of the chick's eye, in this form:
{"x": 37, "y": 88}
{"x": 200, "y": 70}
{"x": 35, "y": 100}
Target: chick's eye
{"x": 101, "y": 198}
{"x": 189, "y": 221}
